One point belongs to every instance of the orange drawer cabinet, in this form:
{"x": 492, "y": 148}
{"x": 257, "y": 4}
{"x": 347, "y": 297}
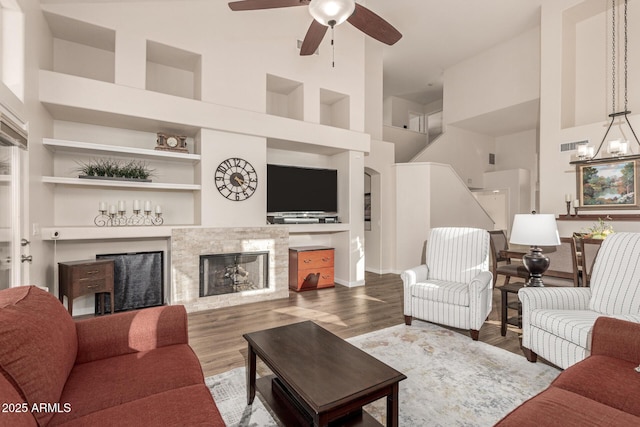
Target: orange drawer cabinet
{"x": 310, "y": 267}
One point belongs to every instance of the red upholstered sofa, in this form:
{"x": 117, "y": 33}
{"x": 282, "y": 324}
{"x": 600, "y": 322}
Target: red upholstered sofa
{"x": 601, "y": 390}
{"x": 131, "y": 368}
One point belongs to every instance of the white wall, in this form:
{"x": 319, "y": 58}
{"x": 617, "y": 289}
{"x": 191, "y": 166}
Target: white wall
{"x": 407, "y": 143}
{"x": 500, "y": 77}
{"x": 216, "y": 210}
{"x": 520, "y": 151}
{"x": 373, "y": 89}
{"x": 234, "y": 61}
{"x": 516, "y": 183}
{"x": 430, "y": 195}
{"x": 380, "y": 241}
{"x": 38, "y": 54}
{"x": 467, "y": 152}
{"x": 233, "y": 66}
{"x": 561, "y": 120}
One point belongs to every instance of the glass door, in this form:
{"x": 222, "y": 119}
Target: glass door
{"x": 6, "y": 201}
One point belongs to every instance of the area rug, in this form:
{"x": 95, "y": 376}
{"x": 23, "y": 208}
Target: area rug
{"x": 451, "y": 379}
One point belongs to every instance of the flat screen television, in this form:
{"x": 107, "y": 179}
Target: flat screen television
{"x": 301, "y": 189}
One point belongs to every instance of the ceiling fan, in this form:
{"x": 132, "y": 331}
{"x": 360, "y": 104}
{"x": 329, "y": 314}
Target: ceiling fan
{"x": 329, "y": 13}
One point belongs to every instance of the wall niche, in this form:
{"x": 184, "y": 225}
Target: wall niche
{"x": 173, "y": 71}
{"x": 334, "y": 109}
{"x": 82, "y": 49}
{"x": 285, "y": 98}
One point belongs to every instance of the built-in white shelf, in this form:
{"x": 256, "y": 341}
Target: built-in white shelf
{"x": 314, "y": 228}
{"x": 59, "y": 180}
{"x": 106, "y": 233}
{"x": 87, "y": 147}
{"x": 5, "y": 178}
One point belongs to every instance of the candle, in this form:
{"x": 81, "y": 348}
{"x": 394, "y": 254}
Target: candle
{"x": 102, "y": 206}
{"x": 158, "y": 209}
{"x": 121, "y": 206}
{"x": 147, "y": 206}
{"x": 112, "y": 209}
{"x": 567, "y": 197}
{"x": 136, "y": 205}
{"x": 576, "y": 203}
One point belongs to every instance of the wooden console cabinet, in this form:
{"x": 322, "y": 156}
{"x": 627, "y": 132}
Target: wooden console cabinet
{"x": 310, "y": 267}
{"x": 77, "y": 278}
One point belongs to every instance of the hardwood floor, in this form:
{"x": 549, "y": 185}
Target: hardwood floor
{"x": 216, "y": 335}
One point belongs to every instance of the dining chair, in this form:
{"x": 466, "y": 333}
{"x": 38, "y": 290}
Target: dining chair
{"x": 500, "y": 243}
{"x": 563, "y": 265}
{"x": 590, "y": 248}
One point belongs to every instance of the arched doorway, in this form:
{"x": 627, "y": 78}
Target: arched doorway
{"x": 372, "y": 231}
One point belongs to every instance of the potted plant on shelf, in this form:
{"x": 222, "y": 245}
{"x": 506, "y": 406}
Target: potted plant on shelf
{"x": 133, "y": 170}
{"x": 599, "y": 230}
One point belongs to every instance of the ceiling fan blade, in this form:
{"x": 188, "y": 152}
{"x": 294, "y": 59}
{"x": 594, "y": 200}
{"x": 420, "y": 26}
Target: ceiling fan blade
{"x": 374, "y": 26}
{"x": 314, "y": 37}
{"x": 265, "y": 4}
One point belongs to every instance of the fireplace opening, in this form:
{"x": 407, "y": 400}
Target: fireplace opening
{"x": 233, "y": 272}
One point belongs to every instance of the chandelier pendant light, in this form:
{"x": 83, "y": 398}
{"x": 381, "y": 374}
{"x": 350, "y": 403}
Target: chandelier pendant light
{"x": 617, "y": 148}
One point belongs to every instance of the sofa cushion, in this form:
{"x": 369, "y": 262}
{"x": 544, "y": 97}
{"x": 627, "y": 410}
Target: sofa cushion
{"x": 615, "y": 280}
{"x": 187, "y": 406}
{"x": 38, "y": 344}
{"x": 17, "y": 412}
{"x": 105, "y": 383}
{"x": 442, "y": 291}
{"x": 604, "y": 379}
{"x": 572, "y": 325}
{"x": 562, "y": 408}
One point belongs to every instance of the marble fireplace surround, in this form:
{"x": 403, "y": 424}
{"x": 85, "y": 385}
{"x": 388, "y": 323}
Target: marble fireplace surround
{"x": 187, "y": 244}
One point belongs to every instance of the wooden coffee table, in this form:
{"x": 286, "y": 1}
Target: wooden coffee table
{"x": 319, "y": 377}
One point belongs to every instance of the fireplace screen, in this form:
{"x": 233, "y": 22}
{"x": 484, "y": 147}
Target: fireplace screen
{"x": 235, "y": 272}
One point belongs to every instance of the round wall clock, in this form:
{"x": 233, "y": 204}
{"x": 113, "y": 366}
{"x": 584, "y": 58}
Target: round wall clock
{"x": 236, "y": 179}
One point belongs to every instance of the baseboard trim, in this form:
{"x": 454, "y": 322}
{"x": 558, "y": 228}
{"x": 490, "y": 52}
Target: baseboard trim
{"x": 348, "y": 284}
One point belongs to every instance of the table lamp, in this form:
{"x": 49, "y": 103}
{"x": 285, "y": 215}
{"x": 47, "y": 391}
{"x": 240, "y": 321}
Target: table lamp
{"x": 535, "y": 230}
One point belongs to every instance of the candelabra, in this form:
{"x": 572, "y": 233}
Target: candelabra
{"x": 118, "y": 217}
{"x": 568, "y": 208}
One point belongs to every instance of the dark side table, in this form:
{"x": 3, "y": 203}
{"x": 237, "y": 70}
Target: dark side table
{"x": 78, "y": 278}
{"x": 511, "y": 288}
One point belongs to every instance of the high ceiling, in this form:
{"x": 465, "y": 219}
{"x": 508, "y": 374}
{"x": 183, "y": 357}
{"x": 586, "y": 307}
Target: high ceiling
{"x": 440, "y": 33}
{"x": 436, "y": 35}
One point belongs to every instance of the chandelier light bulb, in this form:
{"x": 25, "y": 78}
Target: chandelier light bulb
{"x": 331, "y": 12}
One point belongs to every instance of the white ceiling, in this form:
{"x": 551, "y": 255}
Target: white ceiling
{"x": 436, "y": 35}
{"x": 440, "y": 33}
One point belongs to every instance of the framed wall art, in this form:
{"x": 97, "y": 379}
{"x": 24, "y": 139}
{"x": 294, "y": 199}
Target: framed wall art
{"x": 608, "y": 184}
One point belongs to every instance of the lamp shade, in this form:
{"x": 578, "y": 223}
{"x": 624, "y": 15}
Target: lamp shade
{"x": 535, "y": 230}
{"x": 331, "y": 12}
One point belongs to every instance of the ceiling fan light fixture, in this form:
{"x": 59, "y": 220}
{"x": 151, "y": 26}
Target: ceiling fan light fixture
{"x": 331, "y": 12}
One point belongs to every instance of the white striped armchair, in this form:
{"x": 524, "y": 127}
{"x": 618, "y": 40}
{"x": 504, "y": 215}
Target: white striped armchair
{"x": 454, "y": 287}
{"x": 557, "y": 322}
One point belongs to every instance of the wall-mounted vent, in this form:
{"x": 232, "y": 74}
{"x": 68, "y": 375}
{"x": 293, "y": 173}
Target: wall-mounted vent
{"x": 317, "y": 52}
{"x": 492, "y": 159}
{"x": 572, "y": 146}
